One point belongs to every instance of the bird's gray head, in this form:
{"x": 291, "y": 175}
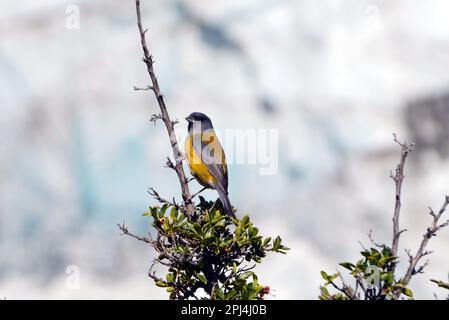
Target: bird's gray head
{"x": 199, "y": 118}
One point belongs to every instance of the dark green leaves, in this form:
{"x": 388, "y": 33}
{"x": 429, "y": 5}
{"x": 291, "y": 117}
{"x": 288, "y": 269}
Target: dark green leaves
{"x": 373, "y": 272}
{"x": 347, "y": 265}
{"x": 210, "y": 251}
{"x": 278, "y": 247}
{"x": 329, "y": 278}
{"x": 441, "y": 284}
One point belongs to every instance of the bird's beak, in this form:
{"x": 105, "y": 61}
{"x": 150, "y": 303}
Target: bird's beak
{"x": 189, "y": 119}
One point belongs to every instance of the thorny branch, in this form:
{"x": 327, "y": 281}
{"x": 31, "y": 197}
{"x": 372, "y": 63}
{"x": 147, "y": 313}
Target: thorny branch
{"x": 346, "y": 289}
{"x": 371, "y": 238}
{"x": 204, "y": 250}
{"x": 415, "y": 264}
{"x": 125, "y": 231}
{"x": 164, "y": 116}
{"x": 155, "y": 117}
{"x": 430, "y": 232}
{"x": 156, "y": 196}
{"x": 398, "y": 178}
{"x": 413, "y": 267}
{"x": 143, "y": 89}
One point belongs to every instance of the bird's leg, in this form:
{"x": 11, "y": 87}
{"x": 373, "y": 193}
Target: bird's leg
{"x": 195, "y": 194}
{"x": 190, "y": 179}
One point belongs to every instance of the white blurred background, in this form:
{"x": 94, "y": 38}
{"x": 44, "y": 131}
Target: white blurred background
{"x": 335, "y": 77}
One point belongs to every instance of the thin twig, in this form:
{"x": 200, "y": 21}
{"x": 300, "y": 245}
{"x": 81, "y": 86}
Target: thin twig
{"x": 197, "y": 193}
{"x": 152, "y": 192}
{"x": 348, "y": 290}
{"x": 371, "y": 238}
{"x": 125, "y": 231}
{"x": 155, "y": 117}
{"x": 143, "y": 89}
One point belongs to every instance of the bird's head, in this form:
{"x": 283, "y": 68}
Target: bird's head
{"x": 199, "y": 118}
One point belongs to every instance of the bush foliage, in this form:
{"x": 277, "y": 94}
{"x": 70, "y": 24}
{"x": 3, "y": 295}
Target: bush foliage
{"x": 209, "y": 255}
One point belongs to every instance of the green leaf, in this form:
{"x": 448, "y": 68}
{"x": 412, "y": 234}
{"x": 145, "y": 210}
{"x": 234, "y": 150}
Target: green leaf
{"x": 386, "y": 251}
{"x": 174, "y": 213}
{"x": 238, "y": 232}
{"x": 360, "y": 265}
{"x": 231, "y": 294}
{"x": 408, "y": 292}
{"x": 388, "y": 277}
{"x": 374, "y": 258}
{"x": 277, "y": 244}
{"x": 170, "y": 289}
{"x": 386, "y": 259}
{"x": 324, "y": 291}
{"x": 170, "y": 278}
{"x": 333, "y": 277}
{"x": 244, "y": 220}
{"x": 201, "y": 278}
{"x": 245, "y": 293}
{"x": 347, "y": 265}
{"x": 161, "y": 284}
{"x": 246, "y": 275}
{"x": 162, "y": 210}
{"x": 441, "y": 284}
{"x": 266, "y": 241}
{"x": 324, "y": 275}
{"x": 365, "y": 253}
{"x": 251, "y": 231}
{"x": 219, "y": 295}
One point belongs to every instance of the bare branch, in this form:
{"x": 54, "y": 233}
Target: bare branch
{"x": 346, "y": 289}
{"x": 155, "y": 117}
{"x": 169, "y": 124}
{"x": 152, "y": 192}
{"x": 420, "y": 269}
{"x": 415, "y": 261}
{"x": 398, "y": 178}
{"x": 379, "y": 245}
{"x": 361, "y": 245}
{"x": 409, "y": 254}
{"x": 170, "y": 164}
{"x": 125, "y": 231}
{"x": 152, "y": 274}
{"x": 422, "y": 252}
{"x": 143, "y": 89}
{"x": 431, "y": 212}
{"x": 197, "y": 193}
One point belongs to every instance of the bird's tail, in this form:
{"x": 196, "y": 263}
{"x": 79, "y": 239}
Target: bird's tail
{"x": 225, "y": 201}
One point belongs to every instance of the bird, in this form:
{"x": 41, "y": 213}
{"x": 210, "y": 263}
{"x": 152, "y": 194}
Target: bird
{"x": 206, "y": 158}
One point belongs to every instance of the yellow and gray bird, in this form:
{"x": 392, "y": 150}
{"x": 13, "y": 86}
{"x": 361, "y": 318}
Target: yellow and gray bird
{"x": 206, "y": 157}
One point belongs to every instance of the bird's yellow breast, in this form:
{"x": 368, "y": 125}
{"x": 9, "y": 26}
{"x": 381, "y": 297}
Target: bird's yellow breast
{"x": 197, "y": 167}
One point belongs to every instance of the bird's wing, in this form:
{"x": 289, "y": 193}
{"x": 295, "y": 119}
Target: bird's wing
{"x": 213, "y": 157}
